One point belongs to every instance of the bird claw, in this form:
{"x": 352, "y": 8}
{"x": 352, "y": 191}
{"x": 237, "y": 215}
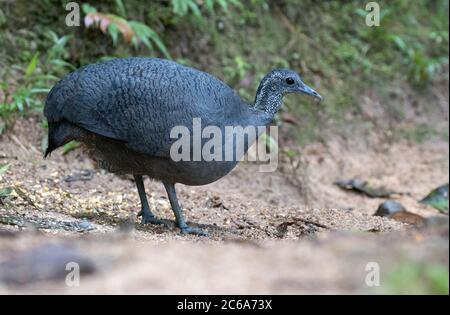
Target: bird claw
{"x": 151, "y": 219}
{"x": 193, "y": 231}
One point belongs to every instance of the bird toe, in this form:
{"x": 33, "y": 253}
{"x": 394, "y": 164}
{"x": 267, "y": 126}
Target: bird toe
{"x": 194, "y": 231}
{"x": 154, "y": 220}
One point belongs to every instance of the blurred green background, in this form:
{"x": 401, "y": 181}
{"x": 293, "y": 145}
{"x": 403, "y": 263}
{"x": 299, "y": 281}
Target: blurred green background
{"x": 239, "y": 41}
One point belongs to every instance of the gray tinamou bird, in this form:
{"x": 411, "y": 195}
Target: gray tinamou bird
{"x": 123, "y": 110}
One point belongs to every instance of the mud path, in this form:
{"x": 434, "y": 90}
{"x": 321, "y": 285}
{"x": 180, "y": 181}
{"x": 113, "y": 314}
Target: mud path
{"x": 281, "y": 232}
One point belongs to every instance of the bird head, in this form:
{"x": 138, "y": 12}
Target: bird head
{"x": 278, "y": 83}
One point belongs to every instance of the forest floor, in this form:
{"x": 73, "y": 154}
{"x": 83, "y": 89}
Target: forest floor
{"x": 270, "y": 232}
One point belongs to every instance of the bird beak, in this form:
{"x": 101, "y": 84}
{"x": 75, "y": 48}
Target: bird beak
{"x": 304, "y": 89}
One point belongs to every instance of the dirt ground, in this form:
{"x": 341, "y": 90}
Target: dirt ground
{"x": 282, "y": 232}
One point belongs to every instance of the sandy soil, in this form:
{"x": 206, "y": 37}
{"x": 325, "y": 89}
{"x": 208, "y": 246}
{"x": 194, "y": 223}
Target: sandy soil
{"x": 283, "y": 232}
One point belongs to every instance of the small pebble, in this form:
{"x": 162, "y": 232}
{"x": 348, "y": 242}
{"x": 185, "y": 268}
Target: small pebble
{"x": 388, "y": 208}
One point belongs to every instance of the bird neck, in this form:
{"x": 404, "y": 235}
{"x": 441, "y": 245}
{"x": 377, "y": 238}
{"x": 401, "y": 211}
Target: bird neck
{"x": 267, "y": 99}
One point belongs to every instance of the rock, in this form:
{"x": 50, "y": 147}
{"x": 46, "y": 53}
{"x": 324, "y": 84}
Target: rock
{"x": 85, "y": 225}
{"x": 396, "y": 211}
{"x": 388, "y": 208}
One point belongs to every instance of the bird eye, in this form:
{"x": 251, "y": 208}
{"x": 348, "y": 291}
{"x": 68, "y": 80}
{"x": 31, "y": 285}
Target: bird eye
{"x": 290, "y": 81}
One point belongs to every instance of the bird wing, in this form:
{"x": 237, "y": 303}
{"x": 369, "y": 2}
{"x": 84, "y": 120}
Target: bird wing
{"x": 139, "y": 101}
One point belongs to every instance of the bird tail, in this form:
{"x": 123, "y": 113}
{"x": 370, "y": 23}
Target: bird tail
{"x": 59, "y": 133}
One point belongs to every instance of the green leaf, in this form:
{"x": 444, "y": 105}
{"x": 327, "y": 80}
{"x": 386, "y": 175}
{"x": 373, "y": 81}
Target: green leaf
{"x": 158, "y": 42}
{"x": 72, "y": 145}
{"x": 135, "y": 42}
{"x": 270, "y": 142}
{"x": 361, "y": 12}
{"x": 4, "y": 168}
{"x": 46, "y": 77}
{"x": 2, "y": 123}
{"x": 290, "y": 153}
{"x": 3, "y": 18}
{"x": 5, "y": 192}
{"x": 236, "y": 3}
{"x": 87, "y": 8}
{"x": 113, "y": 31}
{"x": 39, "y": 90}
{"x": 194, "y": 8}
{"x": 32, "y": 65}
{"x": 209, "y": 4}
{"x": 223, "y": 4}
{"x": 438, "y": 198}
{"x": 18, "y": 103}
{"x": 180, "y": 7}
{"x": 120, "y": 8}
{"x": 399, "y": 42}
{"x": 62, "y": 63}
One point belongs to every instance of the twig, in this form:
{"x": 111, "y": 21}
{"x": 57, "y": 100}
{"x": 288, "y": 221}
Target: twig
{"x": 22, "y": 194}
{"x": 17, "y": 141}
{"x": 8, "y": 157}
{"x": 313, "y": 223}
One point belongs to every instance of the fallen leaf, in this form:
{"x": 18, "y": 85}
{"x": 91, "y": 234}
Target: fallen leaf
{"x": 103, "y": 21}
{"x": 364, "y": 188}
{"x": 438, "y": 198}
{"x": 408, "y": 218}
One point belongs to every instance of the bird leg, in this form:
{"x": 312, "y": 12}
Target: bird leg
{"x": 145, "y": 213}
{"x": 181, "y": 223}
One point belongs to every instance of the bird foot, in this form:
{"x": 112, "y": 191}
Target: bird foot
{"x": 152, "y": 219}
{"x": 194, "y": 231}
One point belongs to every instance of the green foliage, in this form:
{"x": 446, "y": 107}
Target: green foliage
{"x": 438, "y": 199}
{"x": 184, "y": 7}
{"x": 417, "y": 48}
{"x": 147, "y": 35}
{"x": 417, "y": 133}
{"x": 120, "y": 7}
{"x": 138, "y": 32}
{"x": 4, "y": 168}
{"x": 132, "y": 31}
{"x": 3, "y": 18}
{"x": 36, "y": 79}
{"x": 441, "y": 204}
{"x": 5, "y": 195}
{"x": 68, "y": 147}
{"x": 418, "y": 278}
{"x": 236, "y": 70}
{"x": 238, "y": 41}
{"x": 32, "y": 65}
{"x": 421, "y": 69}
{"x": 24, "y": 96}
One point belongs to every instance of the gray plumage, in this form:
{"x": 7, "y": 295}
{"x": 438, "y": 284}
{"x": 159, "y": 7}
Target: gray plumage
{"x": 125, "y": 109}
